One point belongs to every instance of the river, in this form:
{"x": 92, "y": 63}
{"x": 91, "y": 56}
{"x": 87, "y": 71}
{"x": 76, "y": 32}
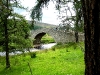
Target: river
{"x": 43, "y": 46}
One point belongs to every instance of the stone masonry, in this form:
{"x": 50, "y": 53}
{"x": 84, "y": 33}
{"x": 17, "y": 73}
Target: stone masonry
{"x": 60, "y": 36}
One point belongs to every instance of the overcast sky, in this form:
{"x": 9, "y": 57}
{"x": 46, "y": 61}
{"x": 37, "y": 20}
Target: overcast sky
{"x": 49, "y": 14}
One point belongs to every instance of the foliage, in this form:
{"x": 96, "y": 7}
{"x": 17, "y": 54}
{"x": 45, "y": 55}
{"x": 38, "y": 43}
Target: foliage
{"x": 47, "y": 39}
{"x": 20, "y": 36}
{"x": 37, "y": 10}
{"x": 35, "y": 27}
{"x": 14, "y": 29}
{"x": 68, "y": 20}
{"x": 74, "y": 45}
{"x": 33, "y": 55}
{"x": 18, "y": 30}
{"x": 70, "y": 13}
{"x": 79, "y": 16}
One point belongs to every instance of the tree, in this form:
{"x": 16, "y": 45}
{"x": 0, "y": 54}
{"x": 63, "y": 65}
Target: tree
{"x": 73, "y": 15}
{"x": 14, "y": 28}
{"x": 6, "y": 14}
{"x": 19, "y": 32}
{"x": 78, "y": 27}
{"x": 91, "y": 14}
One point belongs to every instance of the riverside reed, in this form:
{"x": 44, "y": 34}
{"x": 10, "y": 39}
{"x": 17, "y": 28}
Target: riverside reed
{"x": 67, "y": 59}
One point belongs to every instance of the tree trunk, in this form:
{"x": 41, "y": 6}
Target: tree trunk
{"x": 6, "y": 44}
{"x": 76, "y": 36}
{"x": 92, "y": 36}
{"x": 6, "y": 15}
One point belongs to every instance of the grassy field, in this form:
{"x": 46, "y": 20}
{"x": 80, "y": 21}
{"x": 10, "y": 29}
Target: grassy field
{"x": 60, "y": 60}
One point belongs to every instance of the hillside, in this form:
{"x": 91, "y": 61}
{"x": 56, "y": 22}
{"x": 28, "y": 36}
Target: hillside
{"x": 42, "y": 25}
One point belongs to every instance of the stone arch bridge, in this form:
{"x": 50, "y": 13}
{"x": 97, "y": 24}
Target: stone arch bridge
{"x": 60, "y": 36}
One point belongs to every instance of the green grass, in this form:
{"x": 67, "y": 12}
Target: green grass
{"x": 47, "y": 39}
{"x": 64, "y": 60}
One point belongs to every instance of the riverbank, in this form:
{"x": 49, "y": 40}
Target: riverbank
{"x": 43, "y": 47}
{"x": 60, "y": 60}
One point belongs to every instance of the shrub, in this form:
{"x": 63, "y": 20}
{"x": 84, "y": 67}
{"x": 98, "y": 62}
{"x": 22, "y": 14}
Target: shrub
{"x": 33, "y": 55}
{"x": 53, "y": 48}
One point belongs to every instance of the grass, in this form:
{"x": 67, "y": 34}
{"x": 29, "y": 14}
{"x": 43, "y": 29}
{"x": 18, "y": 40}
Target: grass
{"x": 47, "y": 39}
{"x": 64, "y": 60}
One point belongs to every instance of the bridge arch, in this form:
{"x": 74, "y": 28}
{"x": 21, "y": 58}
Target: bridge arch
{"x": 38, "y": 37}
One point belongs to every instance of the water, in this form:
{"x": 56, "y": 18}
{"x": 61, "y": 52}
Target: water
{"x": 47, "y": 46}
{"x": 44, "y": 46}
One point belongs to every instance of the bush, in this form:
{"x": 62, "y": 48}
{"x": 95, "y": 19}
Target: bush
{"x": 33, "y": 55}
{"x": 53, "y": 48}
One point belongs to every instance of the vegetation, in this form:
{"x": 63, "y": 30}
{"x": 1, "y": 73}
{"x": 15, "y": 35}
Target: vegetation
{"x": 65, "y": 60}
{"x": 72, "y": 18}
{"x": 35, "y": 27}
{"x": 14, "y": 31}
{"x": 47, "y": 39}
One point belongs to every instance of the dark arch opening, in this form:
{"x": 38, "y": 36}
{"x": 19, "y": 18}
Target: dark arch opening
{"x": 37, "y": 40}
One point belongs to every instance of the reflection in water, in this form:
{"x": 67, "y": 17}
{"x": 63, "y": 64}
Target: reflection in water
{"x": 44, "y": 46}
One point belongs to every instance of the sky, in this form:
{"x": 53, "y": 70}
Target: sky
{"x": 50, "y": 15}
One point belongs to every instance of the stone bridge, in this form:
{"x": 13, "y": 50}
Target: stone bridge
{"x": 60, "y": 36}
